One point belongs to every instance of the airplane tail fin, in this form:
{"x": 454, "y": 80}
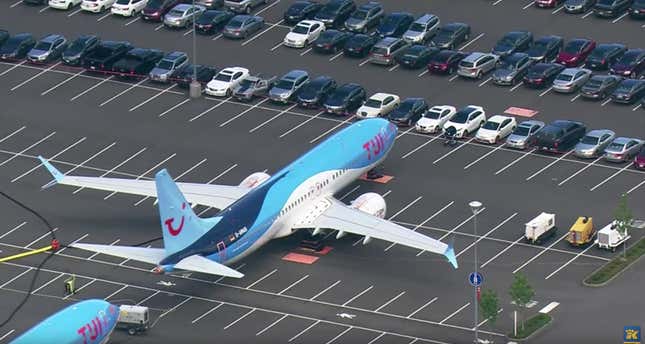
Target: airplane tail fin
{"x": 450, "y": 254}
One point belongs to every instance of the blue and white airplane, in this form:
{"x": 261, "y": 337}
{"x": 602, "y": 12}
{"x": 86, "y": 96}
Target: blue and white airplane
{"x": 265, "y": 207}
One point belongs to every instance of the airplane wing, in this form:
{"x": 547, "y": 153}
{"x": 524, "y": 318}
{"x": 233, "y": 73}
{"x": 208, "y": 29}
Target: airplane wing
{"x": 216, "y": 196}
{"x": 339, "y": 216}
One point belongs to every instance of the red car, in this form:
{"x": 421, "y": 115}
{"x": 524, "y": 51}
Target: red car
{"x": 156, "y": 9}
{"x": 548, "y": 3}
{"x": 575, "y": 52}
{"x": 639, "y": 161}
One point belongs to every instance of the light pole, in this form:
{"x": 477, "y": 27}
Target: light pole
{"x": 475, "y": 206}
{"x": 195, "y": 86}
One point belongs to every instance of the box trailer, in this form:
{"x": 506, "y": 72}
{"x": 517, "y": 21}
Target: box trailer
{"x": 610, "y": 237}
{"x": 134, "y": 319}
{"x": 540, "y": 228}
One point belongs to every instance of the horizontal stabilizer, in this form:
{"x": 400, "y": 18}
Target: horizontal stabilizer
{"x": 199, "y": 263}
{"x": 141, "y": 254}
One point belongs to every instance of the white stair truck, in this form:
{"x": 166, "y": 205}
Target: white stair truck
{"x": 540, "y": 228}
{"x": 610, "y": 236}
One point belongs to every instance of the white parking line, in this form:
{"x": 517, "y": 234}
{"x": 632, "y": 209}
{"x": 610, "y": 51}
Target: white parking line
{"x": 159, "y": 27}
{"x": 324, "y": 290}
{"x": 41, "y": 238}
{"x": 73, "y": 13}
{"x": 303, "y": 331}
{"x": 38, "y": 165}
{"x": 73, "y": 242}
{"x": 171, "y": 310}
{"x": 454, "y": 150}
{"x": 272, "y": 324}
{"x": 13, "y": 67}
{"x": 636, "y": 187}
{"x": 393, "y": 67}
{"x": 13, "y": 133}
{"x": 579, "y": 171}
{"x": 349, "y": 192}
{"x": 124, "y": 91}
{"x": 35, "y": 76}
{"x": 502, "y": 251}
{"x": 148, "y": 298}
{"x": 515, "y": 161}
{"x": 261, "y": 33}
{"x": 528, "y": 5}
{"x": 422, "y": 307}
{"x": 547, "y": 91}
{"x": 105, "y": 16}
{"x": 549, "y": 165}
{"x": 301, "y": 124}
{"x": 266, "y": 8}
{"x": 587, "y": 14}
{"x": 15, "y": 278}
{"x": 15, "y": 228}
{"x": 349, "y": 118}
{"x": 453, "y": 77}
{"x": 499, "y": 146}
{"x": 61, "y": 83}
{"x": 15, "y": 4}
{"x": 132, "y": 156}
{"x": 382, "y": 333}
{"x": 516, "y": 86}
{"x": 261, "y": 279}
{"x": 97, "y": 253}
{"x": 497, "y": 2}
{"x": 605, "y": 102}
{"x": 91, "y": 88}
{"x": 485, "y": 235}
{"x": 637, "y": 107}
{"x": 542, "y": 251}
{"x": 570, "y": 261}
{"x": 188, "y": 32}
{"x": 272, "y": 118}
{"x": 485, "y": 82}
{"x": 28, "y": 148}
{"x": 115, "y": 292}
{"x": 79, "y": 288}
{"x": 43, "y": 9}
{"x": 146, "y": 172}
{"x": 217, "y": 37}
{"x": 305, "y": 52}
{"x": 627, "y": 165}
{"x": 455, "y": 313}
{"x": 358, "y": 295}
{"x": 293, "y": 284}
{"x": 236, "y": 268}
{"x": 132, "y": 21}
{"x": 557, "y": 9}
{"x": 335, "y": 56}
{"x": 424, "y": 222}
{"x": 176, "y": 178}
{"x": 339, "y": 335}
{"x": 574, "y": 98}
{"x": 174, "y": 107}
{"x": 239, "y": 114}
{"x": 472, "y": 41}
{"x": 419, "y": 147}
{"x": 423, "y": 73}
{"x": 486, "y": 320}
{"x": 364, "y": 62}
{"x": 276, "y": 46}
{"x": 390, "y": 301}
{"x": 240, "y": 318}
{"x": 86, "y": 160}
{"x": 12, "y": 331}
{"x": 619, "y": 18}
{"x": 404, "y": 132}
{"x": 151, "y": 98}
{"x": 206, "y": 313}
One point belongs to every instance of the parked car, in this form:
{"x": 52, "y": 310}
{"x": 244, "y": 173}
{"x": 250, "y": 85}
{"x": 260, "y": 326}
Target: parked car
{"x": 559, "y": 136}
{"x": 416, "y": 56}
{"x": 63, "y": 4}
{"x": 451, "y": 35}
{"x": 386, "y": 50}
{"x": 96, "y": 6}
{"x": 345, "y": 99}
{"x": 225, "y": 81}
{"x": 547, "y": 3}
{"x": 422, "y": 29}
{"x": 476, "y": 65}
{"x": 155, "y": 10}
{"x": 182, "y": 15}
{"x": 514, "y": 41}
{"x": 408, "y": 112}
{"x": 604, "y": 55}
{"x": 637, "y": 9}
{"x": 639, "y": 160}
{"x": 359, "y": 45}
{"x": 467, "y": 120}
{"x": 303, "y": 33}
{"x": 164, "y": 69}
{"x": 522, "y": 136}
{"x": 330, "y": 41}
{"x": 631, "y": 64}
{"x": 49, "y": 48}
{"x": 611, "y": 8}
{"x": 301, "y": 10}
{"x": 575, "y": 52}
{"x": 446, "y": 61}
{"x": 542, "y": 74}
{"x": 315, "y": 92}
{"x": 512, "y": 69}
{"x": 365, "y": 18}
{"x": 137, "y": 62}
{"x": 578, "y": 6}
{"x": 495, "y": 129}
{"x": 288, "y": 85}
{"x": 34, "y": 2}
{"x": 76, "y": 51}
{"x": 254, "y": 86}
{"x": 242, "y": 26}
{"x": 571, "y": 79}
{"x": 378, "y": 105}
{"x": 434, "y": 119}
{"x": 105, "y": 54}
{"x": 243, "y": 6}
{"x": 394, "y": 24}
{"x": 593, "y": 144}
{"x": 335, "y": 12}
{"x": 623, "y": 149}
{"x": 629, "y": 91}
{"x": 17, "y": 46}
{"x": 212, "y": 21}
{"x": 128, "y": 8}
{"x": 4, "y": 36}
{"x": 546, "y": 48}
{"x": 210, "y": 4}
{"x": 600, "y": 86}
{"x": 184, "y": 75}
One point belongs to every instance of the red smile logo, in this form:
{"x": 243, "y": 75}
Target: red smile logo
{"x": 168, "y": 222}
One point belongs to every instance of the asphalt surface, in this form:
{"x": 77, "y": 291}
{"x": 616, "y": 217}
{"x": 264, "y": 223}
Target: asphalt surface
{"x": 97, "y": 126}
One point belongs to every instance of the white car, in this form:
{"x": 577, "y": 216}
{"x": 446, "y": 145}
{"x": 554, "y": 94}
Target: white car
{"x": 303, "y": 33}
{"x": 96, "y": 6}
{"x": 434, "y": 119}
{"x": 63, "y": 4}
{"x": 378, "y": 105}
{"x": 496, "y": 128}
{"x": 225, "y": 81}
{"x": 128, "y": 8}
{"x": 467, "y": 120}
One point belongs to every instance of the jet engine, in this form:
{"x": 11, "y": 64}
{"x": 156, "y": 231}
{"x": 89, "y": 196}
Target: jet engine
{"x": 371, "y": 203}
{"x": 254, "y": 179}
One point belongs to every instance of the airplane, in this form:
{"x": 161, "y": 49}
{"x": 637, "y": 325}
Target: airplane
{"x": 263, "y": 207}
{"x": 85, "y": 322}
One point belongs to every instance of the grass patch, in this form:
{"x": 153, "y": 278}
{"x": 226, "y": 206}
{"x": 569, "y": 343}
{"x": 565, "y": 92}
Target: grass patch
{"x": 531, "y": 325}
{"x": 617, "y": 264}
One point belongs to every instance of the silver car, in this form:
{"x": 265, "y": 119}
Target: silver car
{"x": 386, "y": 50}
{"x": 571, "y": 79}
{"x": 243, "y": 6}
{"x": 520, "y": 138}
{"x": 167, "y": 66}
{"x": 242, "y": 25}
{"x": 422, "y": 29}
{"x": 476, "y": 65}
{"x": 49, "y": 48}
{"x": 512, "y": 69}
{"x": 365, "y": 17}
{"x": 593, "y": 144}
{"x": 288, "y": 85}
{"x": 622, "y": 149}
{"x": 182, "y": 15}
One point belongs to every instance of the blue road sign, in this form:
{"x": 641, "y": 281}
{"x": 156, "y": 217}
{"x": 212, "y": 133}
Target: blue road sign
{"x": 475, "y": 279}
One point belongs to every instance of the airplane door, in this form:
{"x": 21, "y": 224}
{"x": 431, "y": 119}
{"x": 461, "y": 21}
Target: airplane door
{"x": 221, "y": 249}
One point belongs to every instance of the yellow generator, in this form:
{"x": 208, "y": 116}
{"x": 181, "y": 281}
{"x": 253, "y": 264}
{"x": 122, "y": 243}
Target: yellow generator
{"x": 582, "y": 232}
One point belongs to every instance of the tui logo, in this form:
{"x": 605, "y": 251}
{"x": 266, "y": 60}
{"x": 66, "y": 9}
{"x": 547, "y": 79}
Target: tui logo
{"x": 175, "y": 231}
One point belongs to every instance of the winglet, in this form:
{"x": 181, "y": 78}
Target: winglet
{"x": 58, "y": 176}
{"x": 450, "y": 254}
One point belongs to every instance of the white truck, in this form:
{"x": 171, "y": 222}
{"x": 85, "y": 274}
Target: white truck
{"x": 610, "y": 236}
{"x": 134, "y": 319}
{"x": 540, "y": 228}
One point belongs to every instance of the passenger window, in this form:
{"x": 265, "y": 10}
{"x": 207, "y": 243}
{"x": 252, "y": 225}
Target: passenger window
{"x": 314, "y": 27}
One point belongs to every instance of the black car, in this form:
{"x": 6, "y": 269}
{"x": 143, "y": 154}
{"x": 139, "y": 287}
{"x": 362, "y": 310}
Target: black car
{"x": 395, "y": 24}
{"x": 408, "y": 112}
{"x": 137, "y": 62}
{"x": 315, "y": 92}
{"x": 629, "y": 91}
{"x": 514, "y": 41}
{"x": 212, "y": 21}
{"x": 335, "y": 12}
{"x": 545, "y": 49}
{"x": 631, "y": 64}
{"x": 156, "y": 9}
{"x": 451, "y": 36}
{"x": 559, "y": 136}
{"x": 611, "y": 8}
{"x": 359, "y": 45}
{"x": 184, "y": 75}
{"x": 34, "y": 2}
{"x": 600, "y": 86}
{"x": 345, "y": 99}
{"x": 604, "y": 55}
{"x": 17, "y": 46}
{"x": 301, "y": 10}
{"x": 416, "y": 56}
{"x": 637, "y": 9}
{"x": 4, "y": 36}
{"x": 330, "y": 41}
{"x": 542, "y": 74}
{"x": 76, "y": 51}
{"x": 107, "y": 52}
{"x": 446, "y": 61}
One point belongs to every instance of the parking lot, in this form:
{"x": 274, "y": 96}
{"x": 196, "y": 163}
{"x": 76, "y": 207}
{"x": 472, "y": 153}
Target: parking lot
{"x": 97, "y": 125}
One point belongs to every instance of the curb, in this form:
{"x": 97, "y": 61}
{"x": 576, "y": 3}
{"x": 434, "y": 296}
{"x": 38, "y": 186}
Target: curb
{"x": 599, "y": 285}
{"x": 535, "y": 333}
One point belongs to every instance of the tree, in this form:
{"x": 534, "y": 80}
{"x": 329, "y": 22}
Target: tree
{"x": 623, "y": 216}
{"x": 521, "y": 293}
{"x": 489, "y": 304}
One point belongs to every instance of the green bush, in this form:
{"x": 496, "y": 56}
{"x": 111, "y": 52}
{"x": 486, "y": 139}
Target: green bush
{"x": 531, "y": 325}
{"x": 618, "y": 264}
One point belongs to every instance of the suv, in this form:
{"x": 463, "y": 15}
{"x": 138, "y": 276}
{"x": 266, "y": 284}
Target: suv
{"x": 365, "y": 17}
{"x": 49, "y": 48}
{"x": 395, "y": 24}
{"x": 76, "y": 51}
{"x": 167, "y": 66}
{"x": 17, "y": 46}
{"x": 386, "y": 51}
{"x": 334, "y": 13}
{"x": 422, "y": 29}
{"x": 559, "y": 136}
{"x": 107, "y": 52}
{"x": 514, "y": 41}
{"x": 137, "y": 62}
{"x": 288, "y": 85}
{"x": 243, "y": 5}
{"x": 476, "y": 65}
{"x": 253, "y": 86}
{"x": 611, "y": 8}
{"x": 467, "y": 120}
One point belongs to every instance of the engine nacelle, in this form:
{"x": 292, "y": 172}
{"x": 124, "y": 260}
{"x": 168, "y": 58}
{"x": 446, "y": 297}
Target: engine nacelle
{"x": 371, "y": 203}
{"x": 254, "y": 179}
